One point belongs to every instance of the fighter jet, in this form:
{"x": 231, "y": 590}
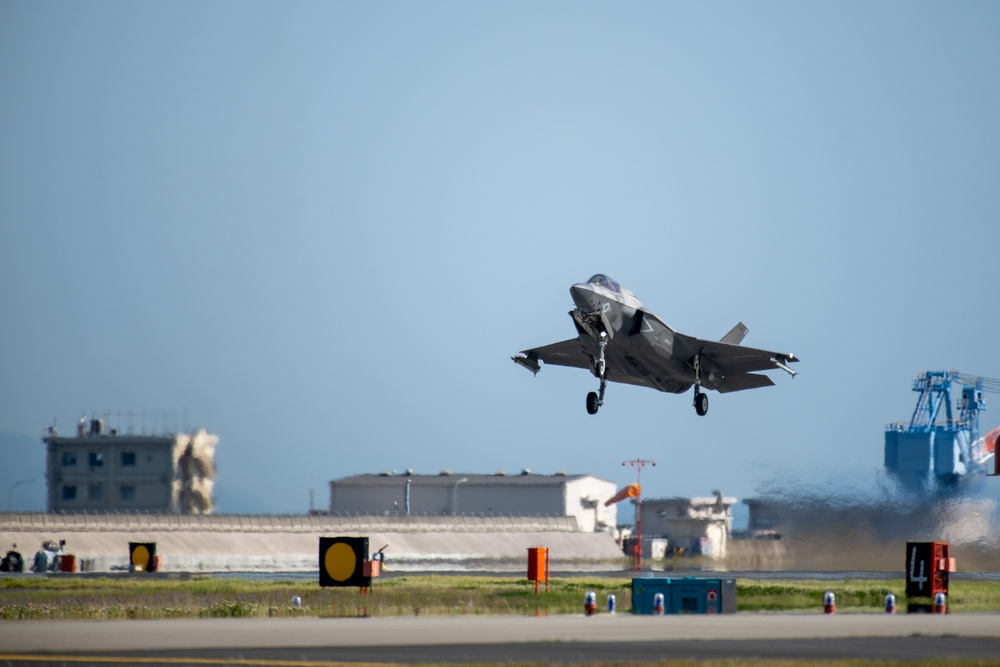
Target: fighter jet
{"x": 618, "y": 340}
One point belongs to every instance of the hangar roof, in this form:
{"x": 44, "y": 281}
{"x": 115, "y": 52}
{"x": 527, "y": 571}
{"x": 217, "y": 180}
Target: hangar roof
{"x": 449, "y": 479}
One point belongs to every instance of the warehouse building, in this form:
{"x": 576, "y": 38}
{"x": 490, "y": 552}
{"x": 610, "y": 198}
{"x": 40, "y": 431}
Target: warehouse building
{"x": 692, "y": 526}
{"x": 578, "y": 496}
{"x": 102, "y": 470}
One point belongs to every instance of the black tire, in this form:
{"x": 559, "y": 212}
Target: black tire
{"x": 701, "y": 404}
{"x": 592, "y": 404}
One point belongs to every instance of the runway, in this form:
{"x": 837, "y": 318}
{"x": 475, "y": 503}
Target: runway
{"x": 459, "y": 639}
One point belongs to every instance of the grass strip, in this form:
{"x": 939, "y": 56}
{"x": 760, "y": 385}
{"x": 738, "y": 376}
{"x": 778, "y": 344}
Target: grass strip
{"x": 139, "y": 596}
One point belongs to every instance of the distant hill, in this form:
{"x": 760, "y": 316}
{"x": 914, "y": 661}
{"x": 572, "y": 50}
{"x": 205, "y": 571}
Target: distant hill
{"x": 22, "y": 458}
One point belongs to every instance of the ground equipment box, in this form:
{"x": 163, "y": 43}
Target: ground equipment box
{"x": 684, "y": 595}
{"x": 928, "y": 565}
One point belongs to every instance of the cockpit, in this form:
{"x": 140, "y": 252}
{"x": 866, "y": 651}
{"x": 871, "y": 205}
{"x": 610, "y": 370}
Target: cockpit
{"x": 611, "y": 290}
{"x": 605, "y": 282}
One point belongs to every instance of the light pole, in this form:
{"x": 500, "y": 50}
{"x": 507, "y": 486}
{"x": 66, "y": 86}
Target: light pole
{"x": 454, "y": 495}
{"x": 10, "y": 492}
{"x": 638, "y": 464}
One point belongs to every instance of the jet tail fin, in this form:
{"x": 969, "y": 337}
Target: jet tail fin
{"x": 736, "y": 334}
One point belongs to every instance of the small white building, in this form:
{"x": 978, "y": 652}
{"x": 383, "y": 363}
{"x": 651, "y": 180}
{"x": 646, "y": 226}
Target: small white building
{"x": 102, "y": 470}
{"x": 579, "y": 496}
{"x": 698, "y": 526}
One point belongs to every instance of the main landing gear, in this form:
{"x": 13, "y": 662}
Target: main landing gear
{"x": 595, "y": 399}
{"x": 700, "y": 398}
{"x": 593, "y": 403}
{"x": 700, "y": 402}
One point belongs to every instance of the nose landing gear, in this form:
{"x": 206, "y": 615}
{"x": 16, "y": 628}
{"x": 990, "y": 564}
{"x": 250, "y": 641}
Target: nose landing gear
{"x": 596, "y": 399}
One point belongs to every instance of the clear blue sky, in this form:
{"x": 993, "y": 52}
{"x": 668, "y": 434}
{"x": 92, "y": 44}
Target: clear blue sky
{"x": 320, "y": 230}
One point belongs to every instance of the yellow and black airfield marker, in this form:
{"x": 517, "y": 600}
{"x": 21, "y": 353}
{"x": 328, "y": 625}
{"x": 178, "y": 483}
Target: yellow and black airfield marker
{"x": 142, "y": 556}
{"x": 342, "y": 562}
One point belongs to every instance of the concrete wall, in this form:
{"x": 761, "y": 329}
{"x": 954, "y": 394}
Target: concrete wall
{"x": 291, "y": 544}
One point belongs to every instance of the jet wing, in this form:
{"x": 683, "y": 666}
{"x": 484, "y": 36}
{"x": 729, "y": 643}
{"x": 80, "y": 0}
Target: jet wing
{"x": 567, "y": 353}
{"x": 736, "y": 364}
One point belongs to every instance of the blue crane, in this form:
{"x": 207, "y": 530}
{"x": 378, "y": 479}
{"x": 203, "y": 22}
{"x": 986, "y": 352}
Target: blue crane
{"x": 941, "y": 444}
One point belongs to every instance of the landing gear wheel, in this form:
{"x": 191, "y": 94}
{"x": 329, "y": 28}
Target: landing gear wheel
{"x": 701, "y": 404}
{"x": 593, "y": 403}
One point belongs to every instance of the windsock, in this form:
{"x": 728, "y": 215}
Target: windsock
{"x": 630, "y": 491}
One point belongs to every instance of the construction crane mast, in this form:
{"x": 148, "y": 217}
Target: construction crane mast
{"x": 941, "y": 444}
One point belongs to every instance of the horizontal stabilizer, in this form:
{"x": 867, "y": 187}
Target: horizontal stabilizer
{"x": 735, "y": 335}
{"x": 741, "y": 381}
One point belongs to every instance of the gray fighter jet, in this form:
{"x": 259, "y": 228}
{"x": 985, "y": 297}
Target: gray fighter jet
{"x": 619, "y": 340}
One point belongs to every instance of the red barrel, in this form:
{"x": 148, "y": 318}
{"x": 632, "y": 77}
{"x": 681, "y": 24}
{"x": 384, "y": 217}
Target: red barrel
{"x": 67, "y": 563}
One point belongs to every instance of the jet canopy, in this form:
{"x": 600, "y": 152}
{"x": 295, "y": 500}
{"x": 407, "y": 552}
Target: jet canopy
{"x": 622, "y": 294}
{"x": 605, "y": 282}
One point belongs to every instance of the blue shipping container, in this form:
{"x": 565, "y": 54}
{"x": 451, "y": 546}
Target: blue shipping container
{"x": 684, "y": 595}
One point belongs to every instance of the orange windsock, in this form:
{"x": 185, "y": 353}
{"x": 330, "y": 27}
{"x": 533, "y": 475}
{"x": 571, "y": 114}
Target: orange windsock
{"x": 630, "y": 491}
{"x": 991, "y": 440}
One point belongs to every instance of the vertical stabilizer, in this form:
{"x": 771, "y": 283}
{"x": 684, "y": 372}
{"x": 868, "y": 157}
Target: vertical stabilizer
{"x": 736, "y": 334}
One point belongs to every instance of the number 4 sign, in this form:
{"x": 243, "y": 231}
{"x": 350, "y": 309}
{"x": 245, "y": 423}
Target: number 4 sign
{"x": 916, "y": 580}
{"x": 927, "y": 568}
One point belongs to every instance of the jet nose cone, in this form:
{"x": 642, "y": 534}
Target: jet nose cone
{"x": 582, "y": 294}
